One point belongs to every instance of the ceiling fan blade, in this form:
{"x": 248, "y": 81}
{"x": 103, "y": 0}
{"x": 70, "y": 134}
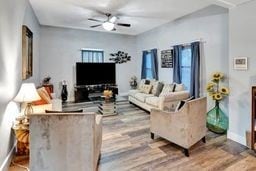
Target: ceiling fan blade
{"x": 123, "y": 24}
{"x": 95, "y": 26}
{"x": 92, "y": 19}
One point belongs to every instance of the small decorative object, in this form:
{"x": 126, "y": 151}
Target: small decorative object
{"x": 46, "y": 80}
{"x": 166, "y": 58}
{"x": 120, "y": 57}
{"x": 217, "y": 121}
{"x": 64, "y": 92}
{"x": 107, "y": 94}
{"x": 133, "y": 82}
{"x": 240, "y": 63}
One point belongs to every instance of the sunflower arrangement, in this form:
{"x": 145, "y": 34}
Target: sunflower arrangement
{"x": 213, "y": 88}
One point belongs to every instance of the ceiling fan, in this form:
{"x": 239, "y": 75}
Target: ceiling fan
{"x": 110, "y": 23}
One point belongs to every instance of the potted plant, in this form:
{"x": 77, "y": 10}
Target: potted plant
{"x": 217, "y": 121}
{"x": 133, "y": 82}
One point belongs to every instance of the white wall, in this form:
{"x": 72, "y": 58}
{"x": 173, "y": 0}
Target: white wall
{"x": 60, "y": 50}
{"x": 209, "y": 24}
{"x": 13, "y": 14}
{"x": 242, "y": 40}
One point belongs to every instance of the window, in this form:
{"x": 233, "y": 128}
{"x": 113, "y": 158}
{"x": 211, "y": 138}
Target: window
{"x": 186, "y": 66}
{"x": 149, "y": 74}
{"x": 96, "y": 56}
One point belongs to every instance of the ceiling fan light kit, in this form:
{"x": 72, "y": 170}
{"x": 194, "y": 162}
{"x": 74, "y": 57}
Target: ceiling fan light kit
{"x": 108, "y": 26}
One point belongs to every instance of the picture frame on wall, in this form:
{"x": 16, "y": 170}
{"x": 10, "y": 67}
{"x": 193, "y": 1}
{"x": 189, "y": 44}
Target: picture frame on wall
{"x": 27, "y": 53}
{"x": 167, "y": 58}
{"x": 240, "y": 63}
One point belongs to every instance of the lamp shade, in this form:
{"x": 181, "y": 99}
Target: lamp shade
{"x": 108, "y": 26}
{"x": 27, "y": 93}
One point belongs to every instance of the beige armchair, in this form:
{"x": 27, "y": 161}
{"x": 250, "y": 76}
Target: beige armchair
{"x": 65, "y": 141}
{"x": 184, "y": 127}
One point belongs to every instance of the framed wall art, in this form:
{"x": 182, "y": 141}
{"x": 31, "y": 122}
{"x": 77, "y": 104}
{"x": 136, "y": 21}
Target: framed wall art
{"x": 27, "y": 53}
{"x": 240, "y": 63}
{"x": 167, "y": 58}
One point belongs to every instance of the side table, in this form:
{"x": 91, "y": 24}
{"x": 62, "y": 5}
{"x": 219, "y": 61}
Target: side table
{"x": 107, "y": 106}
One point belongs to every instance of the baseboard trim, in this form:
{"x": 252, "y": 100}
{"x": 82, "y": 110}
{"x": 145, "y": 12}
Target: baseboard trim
{"x": 5, "y": 165}
{"x": 236, "y": 138}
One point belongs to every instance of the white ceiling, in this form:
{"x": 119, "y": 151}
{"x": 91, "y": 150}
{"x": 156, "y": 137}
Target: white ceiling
{"x": 143, "y": 15}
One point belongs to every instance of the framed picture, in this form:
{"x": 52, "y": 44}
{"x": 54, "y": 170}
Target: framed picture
{"x": 27, "y": 53}
{"x": 240, "y": 63}
{"x": 166, "y": 58}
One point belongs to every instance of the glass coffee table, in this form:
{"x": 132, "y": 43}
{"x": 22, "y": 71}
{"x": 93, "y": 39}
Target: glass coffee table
{"x": 108, "y": 106}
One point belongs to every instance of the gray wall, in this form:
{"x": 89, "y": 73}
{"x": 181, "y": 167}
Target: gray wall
{"x": 12, "y": 18}
{"x": 209, "y": 24}
{"x": 242, "y": 44}
{"x": 60, "y": 50}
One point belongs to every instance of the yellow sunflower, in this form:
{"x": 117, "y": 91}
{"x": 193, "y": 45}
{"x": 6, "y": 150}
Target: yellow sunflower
{"x": 224, "y": 90}
{"x": 209, "y": 87}
{"x": 217, "y": 96}
{"x": 217, "y": 76}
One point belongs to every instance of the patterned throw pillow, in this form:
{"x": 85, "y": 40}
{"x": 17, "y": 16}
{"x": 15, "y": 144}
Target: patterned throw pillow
{"x": 146, "y": 89}
{"x": 168, "y": 88}
{"x": 182, "y": 102}
{"x": 141, "y": 84}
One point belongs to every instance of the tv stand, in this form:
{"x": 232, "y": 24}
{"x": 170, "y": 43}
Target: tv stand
{"x": 85, "y": 93}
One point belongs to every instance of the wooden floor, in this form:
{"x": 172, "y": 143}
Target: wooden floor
{"x": 127, "y": 146}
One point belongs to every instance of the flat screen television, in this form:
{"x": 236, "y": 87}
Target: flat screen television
{"x": 95, "y": 73}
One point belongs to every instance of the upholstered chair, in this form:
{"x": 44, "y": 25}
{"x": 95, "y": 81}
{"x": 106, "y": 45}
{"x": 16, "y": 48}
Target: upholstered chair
{"x": 184, "y": 127}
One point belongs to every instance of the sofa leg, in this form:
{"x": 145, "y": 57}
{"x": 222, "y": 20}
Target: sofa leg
{"x": 204, "y": 140}
{"x": 186, "y": 152}
{"x": 152, "y": 135}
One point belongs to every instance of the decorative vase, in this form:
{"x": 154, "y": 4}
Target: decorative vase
{"x": 217, "y": 121}
{"x": 64, "y": 92}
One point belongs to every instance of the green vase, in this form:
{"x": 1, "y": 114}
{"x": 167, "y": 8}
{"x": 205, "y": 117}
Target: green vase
{"x": 217, "y": 121}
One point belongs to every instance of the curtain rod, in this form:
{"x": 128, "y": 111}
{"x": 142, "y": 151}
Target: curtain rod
{"x": 189, "y": 42}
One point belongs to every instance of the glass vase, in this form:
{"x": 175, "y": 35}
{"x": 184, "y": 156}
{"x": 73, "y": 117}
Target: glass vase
{"x": 217, "y": 121}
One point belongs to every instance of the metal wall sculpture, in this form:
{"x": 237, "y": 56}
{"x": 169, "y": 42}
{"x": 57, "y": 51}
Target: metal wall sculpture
{"x": 120, "y": 57}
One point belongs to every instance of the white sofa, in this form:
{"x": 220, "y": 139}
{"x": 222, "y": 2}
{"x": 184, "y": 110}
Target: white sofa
{"x": 167, "y": 101}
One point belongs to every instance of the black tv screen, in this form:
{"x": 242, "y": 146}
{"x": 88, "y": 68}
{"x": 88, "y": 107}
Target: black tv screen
{"x": 95, "y": 73}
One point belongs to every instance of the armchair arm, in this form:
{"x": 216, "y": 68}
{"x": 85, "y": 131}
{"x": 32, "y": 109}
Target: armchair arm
{"x": 175, "y": 96}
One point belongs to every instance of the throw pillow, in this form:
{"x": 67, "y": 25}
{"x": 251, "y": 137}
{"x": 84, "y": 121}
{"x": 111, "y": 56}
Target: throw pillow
{"x": 147, "y": 89}
{"x": 168, "y": 88}
{"x": 179, "y": 87}
{"x": 142, "y": 82}
{"x": 71, "y": 111}
{"x": 45, "y": 97}
{"x": 182, "y": 102}
{"x": 157, "y": 88}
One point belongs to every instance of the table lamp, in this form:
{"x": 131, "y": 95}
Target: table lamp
{"x": 27, "y": 94}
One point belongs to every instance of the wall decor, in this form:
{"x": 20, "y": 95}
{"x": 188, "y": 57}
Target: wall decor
{"x": 120, "y": 57}
{"x": 240, "y": 63}
{"x": 166, "y": 58}
{"x": 27, "y": 53}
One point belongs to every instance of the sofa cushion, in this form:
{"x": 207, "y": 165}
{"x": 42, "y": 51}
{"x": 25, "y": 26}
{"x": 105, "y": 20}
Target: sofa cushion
{"x": 146, "y": 89}
{"x": 168, "y": 88}
{"x": 142, "y": 96}
{"x": 154, "y": 101}
{"x": 133, "y": 92}
{"x": 157, "y": 88}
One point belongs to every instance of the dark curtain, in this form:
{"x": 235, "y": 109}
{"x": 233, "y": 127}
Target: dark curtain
{"x": 154, "y": 62}
{"x": 143, "y": 67}
{"x": 195, "y": 70}
{"x": 177, "y": 50}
